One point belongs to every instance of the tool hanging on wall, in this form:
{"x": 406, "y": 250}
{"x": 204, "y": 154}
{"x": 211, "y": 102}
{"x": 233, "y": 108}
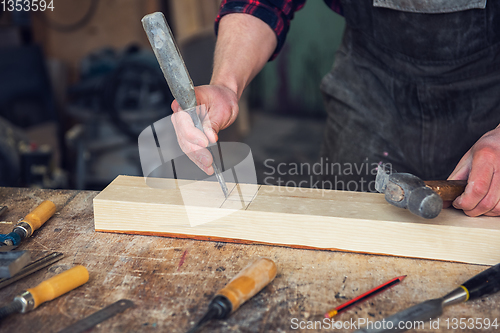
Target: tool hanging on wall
{"x": 241, "y": 288}
{"x": 483, "y": 284}
{"x": 29, "y": 224}
{"x": 46, "y": 291}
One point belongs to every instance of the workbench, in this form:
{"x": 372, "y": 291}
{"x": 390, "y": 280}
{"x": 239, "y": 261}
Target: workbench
{"x": 171, "y": 281}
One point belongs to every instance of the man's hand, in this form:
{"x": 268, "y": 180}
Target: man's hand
{"x": 221, "y": 110}
{"x": 244, "y": 45}
{"x": 481, "y": 166}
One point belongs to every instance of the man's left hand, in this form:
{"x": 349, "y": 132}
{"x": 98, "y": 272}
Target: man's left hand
{"x": 481, "y": 167}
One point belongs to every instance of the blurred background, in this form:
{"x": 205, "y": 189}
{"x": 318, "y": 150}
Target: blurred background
{"x": 79, "y": 82}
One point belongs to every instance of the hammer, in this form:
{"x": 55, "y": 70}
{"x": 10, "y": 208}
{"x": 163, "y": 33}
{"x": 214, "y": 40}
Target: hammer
{"x": 422, "y": 198}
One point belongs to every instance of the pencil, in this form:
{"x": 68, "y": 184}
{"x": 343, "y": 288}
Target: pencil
{"x": 365, "y": 296}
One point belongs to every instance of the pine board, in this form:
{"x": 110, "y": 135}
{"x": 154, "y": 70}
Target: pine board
{"x": 303, "y": 218}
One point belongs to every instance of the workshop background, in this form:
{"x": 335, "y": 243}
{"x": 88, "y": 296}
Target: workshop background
{"x": 79, "y": 83}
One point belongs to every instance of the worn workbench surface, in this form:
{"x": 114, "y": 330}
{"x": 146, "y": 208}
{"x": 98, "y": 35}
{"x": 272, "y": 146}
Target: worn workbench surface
{"x": 172, "y": 280}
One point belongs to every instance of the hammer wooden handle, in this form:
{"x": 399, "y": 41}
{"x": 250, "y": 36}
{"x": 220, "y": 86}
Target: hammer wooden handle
{"x": 448, "y": 190}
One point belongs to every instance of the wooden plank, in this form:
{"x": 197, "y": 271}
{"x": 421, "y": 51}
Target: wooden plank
{"x": 303, "y": 218}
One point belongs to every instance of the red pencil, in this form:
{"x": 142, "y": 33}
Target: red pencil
{"x": 365, "y": 296}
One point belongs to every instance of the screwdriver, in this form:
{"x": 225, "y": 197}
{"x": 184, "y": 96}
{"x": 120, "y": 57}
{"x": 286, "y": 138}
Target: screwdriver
{"x": 47, "y": 291}
{"x": 485, "y": 283}
{"x": 29, "y": 224}
{"x": 241, "y": 288}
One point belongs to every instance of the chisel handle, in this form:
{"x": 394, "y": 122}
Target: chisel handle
{"x": 55, "y": 286}
{"x": 38, "y": 217}
{"x": 485, "y": 283}
{"x": 249, "y": 282}
{"x": 171, "y": 63}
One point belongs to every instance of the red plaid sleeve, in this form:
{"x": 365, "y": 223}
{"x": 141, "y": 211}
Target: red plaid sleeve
{"x": 276, "y": 13}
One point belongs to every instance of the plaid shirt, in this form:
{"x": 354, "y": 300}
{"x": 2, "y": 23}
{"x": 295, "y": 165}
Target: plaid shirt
{"x": 276, "y": 13}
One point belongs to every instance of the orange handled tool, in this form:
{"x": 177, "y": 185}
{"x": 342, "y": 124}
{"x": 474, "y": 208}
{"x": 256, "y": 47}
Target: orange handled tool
{"x": 242, "y": 287}
{"x": 47, "y": 291}
{"x": 29, "y": 224}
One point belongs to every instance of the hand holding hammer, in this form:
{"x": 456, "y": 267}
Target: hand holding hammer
{"x": 424, "y": 199}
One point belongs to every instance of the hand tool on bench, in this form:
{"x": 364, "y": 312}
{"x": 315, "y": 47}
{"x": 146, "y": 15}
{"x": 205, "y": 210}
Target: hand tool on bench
{"x": 29, "y": 224}
{"x": 422, "y": 198}
{"x": 11, "y": 262}
{"x": 47, "y": 291}
{"x": 175, "y": 72}
{"x": 241, "y": 288}
{"x": 31, "y": 268}
{"x": 483, "y": 284}
{"x": 355, "y": 301}
{"x": 3, "y": 209}
{"x": 98, "y": 317}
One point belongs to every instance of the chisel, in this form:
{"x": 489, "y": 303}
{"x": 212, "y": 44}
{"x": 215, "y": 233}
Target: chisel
{"x": 175, "y": 72}
{"x": 47, "y": 291}
{"x": 29, "y": 224}
{"x": 485, "y": 283}
{"x": 241, "y": 288}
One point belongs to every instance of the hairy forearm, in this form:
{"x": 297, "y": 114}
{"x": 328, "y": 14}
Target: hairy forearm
{"x": 244, "y": 45}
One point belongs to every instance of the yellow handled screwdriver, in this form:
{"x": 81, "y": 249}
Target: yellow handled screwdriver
{"x": 29, "y": 224}
{"x": 47, "y": 291}
{"x": 241, "y": 288}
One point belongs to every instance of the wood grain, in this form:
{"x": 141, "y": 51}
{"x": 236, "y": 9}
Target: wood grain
{"x": 303, "y": 218}
{"x": 172, "y": 280}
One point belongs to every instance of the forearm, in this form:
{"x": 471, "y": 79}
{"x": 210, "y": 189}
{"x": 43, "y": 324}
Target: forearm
{"x": 244, "y": 45}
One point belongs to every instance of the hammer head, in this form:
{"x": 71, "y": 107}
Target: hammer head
{"x": 405, "y": 190}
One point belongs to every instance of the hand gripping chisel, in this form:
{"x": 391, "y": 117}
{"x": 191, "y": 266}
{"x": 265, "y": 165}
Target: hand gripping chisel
{"x": 175, "y": 71}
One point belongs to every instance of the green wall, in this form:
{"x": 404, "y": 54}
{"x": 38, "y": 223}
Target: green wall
{"x": 290, "y": 83}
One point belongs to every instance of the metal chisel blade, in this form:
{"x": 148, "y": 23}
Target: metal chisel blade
{"x": 174, "y": 69}
{"x": 416, "y": 315}
{"x": 221, "y": 180}
{"x": 97, "y": 317}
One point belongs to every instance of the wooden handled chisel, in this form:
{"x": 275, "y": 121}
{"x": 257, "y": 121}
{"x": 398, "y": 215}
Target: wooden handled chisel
{"x": 29, "y": 224}
{"x": 175, "y": 72}
{"x": 240, "y": 289}
{"x": 485, "y": 283}
{"x": 47, "y": 291}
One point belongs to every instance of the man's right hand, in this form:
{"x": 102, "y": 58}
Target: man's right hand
{"x": 244, "y": 45}
{"x": 221, "y": 110}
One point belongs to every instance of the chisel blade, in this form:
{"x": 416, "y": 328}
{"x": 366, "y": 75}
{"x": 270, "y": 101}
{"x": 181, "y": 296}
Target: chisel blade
{"x": 407, "y": 319}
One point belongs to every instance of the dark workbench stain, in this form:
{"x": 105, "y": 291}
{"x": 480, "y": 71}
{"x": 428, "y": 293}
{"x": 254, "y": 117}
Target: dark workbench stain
{"x": 172, "y": 280}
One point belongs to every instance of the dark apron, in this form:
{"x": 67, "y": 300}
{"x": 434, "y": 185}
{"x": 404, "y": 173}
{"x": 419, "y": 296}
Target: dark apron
{"x": 412, "y": 85}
